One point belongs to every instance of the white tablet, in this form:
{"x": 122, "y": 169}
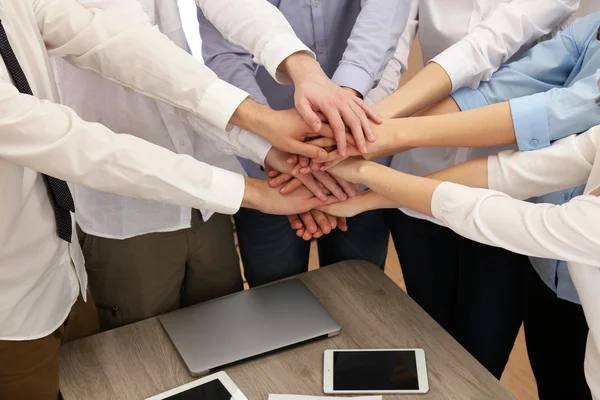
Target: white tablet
{"x": 213, "y": 387}
{"x": 376, "y": 371}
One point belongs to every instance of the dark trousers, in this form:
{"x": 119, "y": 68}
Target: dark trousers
{"x": 270, "y": 249}
{"x": 556, "y": 332}
{"x": 473, "y": 291}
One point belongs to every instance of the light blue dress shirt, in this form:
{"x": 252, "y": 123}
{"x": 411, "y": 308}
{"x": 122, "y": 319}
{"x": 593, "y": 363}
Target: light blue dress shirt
{"x": 552, "y": 92}
{"x": 353, "y": 41}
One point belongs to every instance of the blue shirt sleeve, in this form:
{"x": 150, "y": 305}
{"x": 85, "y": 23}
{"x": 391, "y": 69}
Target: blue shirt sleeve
{"x": 544, "y": 67}
{"x": 372, "y": 43}
{"x": 542, "y": 118}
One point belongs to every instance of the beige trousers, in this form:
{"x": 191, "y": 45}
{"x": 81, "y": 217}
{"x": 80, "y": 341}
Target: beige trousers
{"x": 148, "y": 275}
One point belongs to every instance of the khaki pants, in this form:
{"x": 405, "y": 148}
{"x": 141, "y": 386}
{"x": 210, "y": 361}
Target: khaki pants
{"x": 148, "y": 275}
{"x": 29, "y": 369}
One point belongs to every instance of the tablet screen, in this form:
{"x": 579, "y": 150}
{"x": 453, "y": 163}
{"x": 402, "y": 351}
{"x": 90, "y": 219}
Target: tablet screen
{"x": 213, "y": 390}
{"x": 375, "y": 370}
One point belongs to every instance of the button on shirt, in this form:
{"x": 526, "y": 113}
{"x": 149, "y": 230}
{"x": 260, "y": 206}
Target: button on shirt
{"x": 353, "y": 41}
{"x": 569, "y": 232}
{"x": 552, "y": 93}
{"x": 470, "y": 40}
{"x": 118, "y": 217}
{"x": 41, "y": 275}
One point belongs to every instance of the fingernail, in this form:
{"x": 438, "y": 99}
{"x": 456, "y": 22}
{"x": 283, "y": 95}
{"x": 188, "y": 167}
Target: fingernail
{"x": 344, "y": 197}
{"x": 326, "y": 229}
{"x": 316, "y": 126}
{"x": 282, "y": 190}
{"x": 305, "y": 170}
{"x": 323, "y": 197}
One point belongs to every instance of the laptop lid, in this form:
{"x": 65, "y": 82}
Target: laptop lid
{"x": 247, "y": 324}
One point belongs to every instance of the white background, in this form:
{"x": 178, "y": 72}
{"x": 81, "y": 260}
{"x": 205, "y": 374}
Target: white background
{"x": 187, "y": 8}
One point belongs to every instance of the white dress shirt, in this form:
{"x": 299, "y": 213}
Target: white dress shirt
{"x": 118, "y": 217}
{"x": 568, "y": 232}
{"x": 41, "y": 275}
{"x": 471, "y": 39}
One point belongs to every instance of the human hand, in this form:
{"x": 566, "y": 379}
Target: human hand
{"x": 315, "y": 92}
{"x": 315, "y": 224}
{"x": 349, "y": 208}
{"x": 279, "y": 170}
{"x": 387, "y": 136}
{"x": 285, "y": 130}
{"x": 350, "y": 169}
{"x": 259, "y": 196}
{"x": 336, "y": 185}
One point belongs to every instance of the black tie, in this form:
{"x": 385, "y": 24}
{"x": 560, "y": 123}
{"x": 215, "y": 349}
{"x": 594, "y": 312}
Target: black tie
{"x": 58, "y": 190}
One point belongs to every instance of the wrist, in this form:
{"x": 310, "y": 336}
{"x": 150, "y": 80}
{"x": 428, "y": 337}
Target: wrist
{"x": 300, "y": 65}
{"x": 253, "y": 193}
{"x": 253, "y": 117}
{"x": 352, "y": 91}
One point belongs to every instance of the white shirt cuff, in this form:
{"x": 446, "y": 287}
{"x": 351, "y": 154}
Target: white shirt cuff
{"x": 456, "y": 64}
{"x": 220, "y": 101}
{"x": 255, "y": 148}
{"x": 226, "y": 192}
{"x": 276, "y": 51}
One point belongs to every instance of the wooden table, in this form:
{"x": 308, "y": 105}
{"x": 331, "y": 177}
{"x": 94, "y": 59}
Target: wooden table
{"x": 138, "y": 360}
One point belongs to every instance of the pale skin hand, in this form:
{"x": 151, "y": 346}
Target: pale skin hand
{"x": 315, "y": 92}
{"x": 482, "y": 127}
{"x": 394, "y": 189}
{"x": 259, "y": 196}
{"x": 285, "y": 130}
{"x": 313, "y": 223}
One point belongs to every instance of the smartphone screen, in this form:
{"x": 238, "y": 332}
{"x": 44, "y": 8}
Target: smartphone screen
{"x": 213, "y": 390}
{"x": 375, "y": 370}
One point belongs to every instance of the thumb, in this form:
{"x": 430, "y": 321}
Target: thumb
{"x": 309, "y": 116}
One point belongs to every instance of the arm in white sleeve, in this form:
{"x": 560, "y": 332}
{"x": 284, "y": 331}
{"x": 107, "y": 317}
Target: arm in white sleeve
{"x": 499, "y": 36}
{"x": 568, "y": 232}
{"x": 565, "y": 164}
{"x": 52, "y": 139}
{"x": 259, "y": 28}
{"x": 137, "y": 56}
{"x": 390, "y": 80}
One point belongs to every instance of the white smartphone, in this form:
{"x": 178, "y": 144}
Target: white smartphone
{"x": 380, "y": 371}
{"x": 217, "y": 386}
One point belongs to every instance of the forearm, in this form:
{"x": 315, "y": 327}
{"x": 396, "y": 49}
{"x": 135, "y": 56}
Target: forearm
{"x": 391, "y": 144}
{"x": 482, "y": 127}
{"x": 472, "y": 173}
{"x": 427, "y": 88}
{"x": 405, "y": 191}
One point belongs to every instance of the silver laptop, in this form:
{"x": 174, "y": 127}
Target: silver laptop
{"x": 247, "y": 324}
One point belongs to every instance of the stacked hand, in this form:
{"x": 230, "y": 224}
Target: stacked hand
{"x": 328, "y": 123}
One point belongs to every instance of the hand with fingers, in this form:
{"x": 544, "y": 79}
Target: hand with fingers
{"x": 313, "y": 224}
{"x": 315, "y": 93}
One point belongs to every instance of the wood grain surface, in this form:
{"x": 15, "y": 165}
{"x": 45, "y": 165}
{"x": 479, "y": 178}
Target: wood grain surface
{"x": 138, "y": 361}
